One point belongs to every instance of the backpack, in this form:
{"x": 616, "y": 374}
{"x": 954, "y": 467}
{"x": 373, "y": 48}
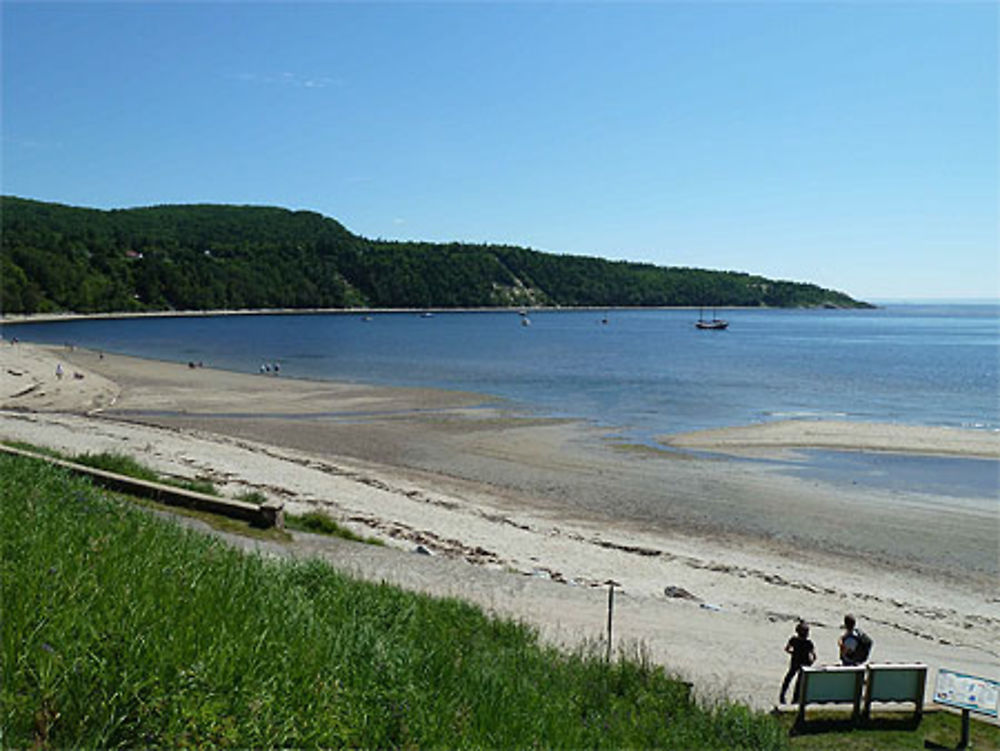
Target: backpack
{"x": 864, "y": 647}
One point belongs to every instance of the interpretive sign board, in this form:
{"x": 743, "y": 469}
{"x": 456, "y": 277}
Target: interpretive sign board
{"x": 981, "y": 695}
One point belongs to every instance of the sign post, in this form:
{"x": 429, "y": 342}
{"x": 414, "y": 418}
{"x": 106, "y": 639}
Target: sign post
{"x": 969, "y": 693}
{"x": 611, "y": 612}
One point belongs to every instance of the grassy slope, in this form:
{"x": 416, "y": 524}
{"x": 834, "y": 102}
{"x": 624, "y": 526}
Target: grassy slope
{"x": 122, "y": 630}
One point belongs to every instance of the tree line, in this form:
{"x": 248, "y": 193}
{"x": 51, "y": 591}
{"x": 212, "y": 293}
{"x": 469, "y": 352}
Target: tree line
{"x": 59, "y": 258}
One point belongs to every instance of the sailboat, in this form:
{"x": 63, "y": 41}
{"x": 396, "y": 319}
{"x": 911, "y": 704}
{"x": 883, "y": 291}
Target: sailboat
{"x": 715, "y": 323}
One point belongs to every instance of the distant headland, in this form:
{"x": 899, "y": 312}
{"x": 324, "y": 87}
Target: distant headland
{"x": 58, "y": 258}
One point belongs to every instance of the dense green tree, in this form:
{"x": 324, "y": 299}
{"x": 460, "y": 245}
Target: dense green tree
{"x": 55, "y": 257}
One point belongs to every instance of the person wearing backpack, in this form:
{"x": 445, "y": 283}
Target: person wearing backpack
{"x": 855, "y": 645}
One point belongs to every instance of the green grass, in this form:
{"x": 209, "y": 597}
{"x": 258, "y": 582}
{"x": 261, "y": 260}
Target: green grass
{"x": 322, "y": 524}
{"x": 205, "y": 487}
{"x": 120, "y": 464}
{"x": 888, "y": 733}
{"x": 253, "y": 496}
{"x": 122, "y": 630}
{"x": 23, "y": 446}
{"x": 123, "y": 464}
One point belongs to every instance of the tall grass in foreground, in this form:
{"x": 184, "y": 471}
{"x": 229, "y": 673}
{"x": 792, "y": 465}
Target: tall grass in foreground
{"x": 121, "y": 630}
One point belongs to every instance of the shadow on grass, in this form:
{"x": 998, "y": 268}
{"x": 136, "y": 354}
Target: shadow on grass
{"x": 821, "y": 725}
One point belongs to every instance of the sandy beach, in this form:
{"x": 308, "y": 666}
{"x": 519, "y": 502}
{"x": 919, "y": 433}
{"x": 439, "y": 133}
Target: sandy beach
{"x": 530, "y": 518}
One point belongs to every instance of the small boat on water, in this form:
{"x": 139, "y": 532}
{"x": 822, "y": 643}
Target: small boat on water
{"x": 714, "y": 323}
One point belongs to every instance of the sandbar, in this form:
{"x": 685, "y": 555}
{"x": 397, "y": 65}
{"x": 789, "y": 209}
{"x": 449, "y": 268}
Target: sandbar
{"x": 775, "y": 437}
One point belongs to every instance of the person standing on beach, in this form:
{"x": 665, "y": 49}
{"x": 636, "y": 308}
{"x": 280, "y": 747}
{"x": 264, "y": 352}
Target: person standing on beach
{"x": 802, "y": 653}
{"x": 854, "y": 644}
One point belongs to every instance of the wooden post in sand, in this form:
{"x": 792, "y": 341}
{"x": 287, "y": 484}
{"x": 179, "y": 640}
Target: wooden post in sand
{"x": 611, "y": 610}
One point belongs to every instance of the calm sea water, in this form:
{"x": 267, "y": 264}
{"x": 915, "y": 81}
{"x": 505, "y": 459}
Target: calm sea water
{"x": 647, "y": 372}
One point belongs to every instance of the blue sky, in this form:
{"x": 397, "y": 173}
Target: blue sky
{"x": 852, "y": 144}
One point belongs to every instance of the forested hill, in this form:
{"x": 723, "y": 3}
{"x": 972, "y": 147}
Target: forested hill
{"x": 208, "y": 257}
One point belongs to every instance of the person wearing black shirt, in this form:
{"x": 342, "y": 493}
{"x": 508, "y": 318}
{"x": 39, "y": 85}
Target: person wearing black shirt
{"x": 802, "y": 653}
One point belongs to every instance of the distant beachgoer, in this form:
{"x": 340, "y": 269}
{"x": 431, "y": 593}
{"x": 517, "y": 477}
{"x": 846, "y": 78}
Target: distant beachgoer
{"x": 802, "y": 653}
{"x": 854, "y": 644}
{"x": 276, "y": 368}
{"x": 59, "y": 370}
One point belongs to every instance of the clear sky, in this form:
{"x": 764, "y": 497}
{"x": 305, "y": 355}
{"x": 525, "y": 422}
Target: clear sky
{"x": 850, "y": 144}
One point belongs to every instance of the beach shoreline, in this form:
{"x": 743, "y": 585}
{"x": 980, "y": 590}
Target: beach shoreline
{"x": 531, "y": 517}
{"x": 14, "y": 319}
